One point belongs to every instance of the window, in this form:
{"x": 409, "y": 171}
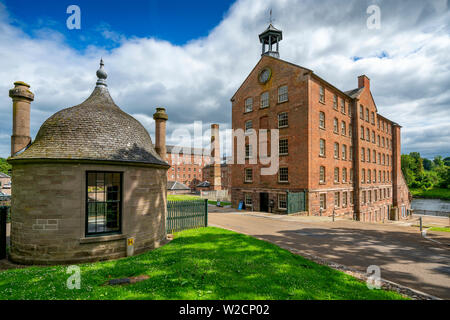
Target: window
{"x": 343, "y": 128}
{"x": 379, "y": 176}
{"x": 373, "y": 136}
{"x": 283, "y": 120}
{"x": 362, "y": 133}
{"x": 337, "y": 199}
{"x": 283, "y": 147}
{"x": 351, "y": 197}
{"x": 248, "y": 104}
{"x": 321, "y": 94}
{"x": 361, "y": 112}
{"x": 321, "y": 120}
{"x": 351, "y": 175}
{"x": 382, "y": 140}
{"x": 335, "y": 125}
{"x": 248, "y": 175}
{"x": 350, "y": 130}
{"x": 374, "y": 156}
{"x": 322, "y": 148}
{"x": 368, "y": 155}
{"x": 336, "y": 150}
{"x": 248, "y": 200}
{"x": 367, "y": 115}
{"x": 104, "y": 202}
{"x": 344, "y": 175}
{"x": 379, "y": 158}
{"x": 350, "y": 155}
{"x": 363, "y": 176}
{"x": 369, "y": 193}
{"x": 374, "y": 175}
{"x": 369, "y": 176}
{"x": 384, "y": 159}
{"x": 363, "y": 155}
{"x": 248, "y": 151}
{"x": 335, "y": 102}
{"x": 336, "y": 175}
{"x": 264, "y": 100}
{"x": 372, "y": 117}
{"x": 375, "y": 195}
{"x": 363, "y": 197}
{"x": 344, "y": 199}
{"x": 322, "y": 175}
{"x": 282, "y": 201}
{"x": 248, "y": 126}
{"x": 367, "y": 134}
{"x": 378, "y": 140}
{"x": 283, "y": 175}
{"x": 349, "y": 110}
{"x": 343, "y": 106}
{"x": 344, "y": 152}
{"x": 323, "y": 201}
{"x": 282, "y": 94}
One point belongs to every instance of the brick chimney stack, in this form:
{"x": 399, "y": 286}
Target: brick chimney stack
{"x": 216, "y": 183}
{"x": 21, "y": 97}
{"x": 364, "y": 81}
{"x": 160, "y": 117}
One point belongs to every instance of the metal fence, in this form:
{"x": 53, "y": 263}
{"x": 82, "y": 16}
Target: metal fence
{"x": 190, "y": 214}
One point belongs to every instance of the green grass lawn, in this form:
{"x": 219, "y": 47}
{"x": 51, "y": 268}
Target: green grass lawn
{"x": 442, "y": 229}
{"x": 435, "y": 193}
{"x": 182, "y": 197}
{"x": 206, "y": 263}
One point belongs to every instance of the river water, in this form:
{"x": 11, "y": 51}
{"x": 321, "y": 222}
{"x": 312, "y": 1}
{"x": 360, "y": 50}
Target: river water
{"x": 431, "y": 206}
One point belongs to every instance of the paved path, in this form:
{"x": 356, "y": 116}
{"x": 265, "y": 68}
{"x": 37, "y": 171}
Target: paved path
{"x": 402, "y": 254}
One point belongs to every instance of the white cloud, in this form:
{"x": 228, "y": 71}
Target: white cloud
{"x": 196, "y": 81}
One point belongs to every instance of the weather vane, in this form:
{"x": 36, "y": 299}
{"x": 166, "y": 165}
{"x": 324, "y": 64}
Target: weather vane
{"x": 270, "y": 19}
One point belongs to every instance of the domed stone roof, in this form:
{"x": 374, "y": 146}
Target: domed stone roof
{"x": 96, "y": 129}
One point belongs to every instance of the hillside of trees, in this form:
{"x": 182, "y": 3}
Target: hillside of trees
{"x": 423, "y": 174}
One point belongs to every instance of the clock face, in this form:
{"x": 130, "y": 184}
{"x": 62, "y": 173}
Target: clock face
{"x": 264, "y": 76}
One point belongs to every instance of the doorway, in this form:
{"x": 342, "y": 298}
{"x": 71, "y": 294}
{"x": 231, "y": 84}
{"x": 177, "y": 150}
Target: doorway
{"x": 264, "y": 202}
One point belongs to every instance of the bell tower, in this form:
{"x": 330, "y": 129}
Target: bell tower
{"x": 270, "y": 39}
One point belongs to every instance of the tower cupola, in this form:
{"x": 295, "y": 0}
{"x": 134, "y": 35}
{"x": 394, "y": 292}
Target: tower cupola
{"x": 270, "y": 39}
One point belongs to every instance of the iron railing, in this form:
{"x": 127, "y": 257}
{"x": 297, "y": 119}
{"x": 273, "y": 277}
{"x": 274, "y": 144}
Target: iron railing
{"x": 189, "y": 214}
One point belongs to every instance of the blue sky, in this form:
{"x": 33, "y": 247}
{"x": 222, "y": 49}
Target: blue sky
{"x": 191, "y": 57}
{"x": 176, "y": 21}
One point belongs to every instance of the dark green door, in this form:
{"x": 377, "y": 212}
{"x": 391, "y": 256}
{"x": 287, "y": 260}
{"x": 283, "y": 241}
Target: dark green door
{"x": 296, "y": 202}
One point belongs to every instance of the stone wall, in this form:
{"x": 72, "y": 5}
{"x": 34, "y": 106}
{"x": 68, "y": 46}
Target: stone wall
{"x": 49, "y": 212}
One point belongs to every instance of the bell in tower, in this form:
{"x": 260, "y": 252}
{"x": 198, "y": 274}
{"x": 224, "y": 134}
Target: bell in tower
{"x": 270, "y": 39}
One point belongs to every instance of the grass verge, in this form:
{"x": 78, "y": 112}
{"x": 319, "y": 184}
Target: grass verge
{"x": 441, "y": 229}
{"x": 435, "y": 193}
{"x": 183, "y": 197}
{"x": 206, "y": 263}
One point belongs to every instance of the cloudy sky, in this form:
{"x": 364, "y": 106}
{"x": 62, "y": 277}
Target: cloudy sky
{"x": 191, "y": 56}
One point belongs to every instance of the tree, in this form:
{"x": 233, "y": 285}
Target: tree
{"x": 5, "y": 167}
{"x": 428, "y": 164}
{"x": 447, "y": 161}
{"x": 438, "y": 161}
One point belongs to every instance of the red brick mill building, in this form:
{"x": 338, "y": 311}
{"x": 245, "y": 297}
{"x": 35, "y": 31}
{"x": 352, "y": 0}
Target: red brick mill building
{"x": 336, "y": 152}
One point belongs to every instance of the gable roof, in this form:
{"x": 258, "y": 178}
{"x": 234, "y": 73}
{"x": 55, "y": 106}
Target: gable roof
{"x": 175, "y": 185}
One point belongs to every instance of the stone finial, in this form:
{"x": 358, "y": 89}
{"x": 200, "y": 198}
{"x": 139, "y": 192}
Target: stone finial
{"x": 160, "y": 114}
{"x": 101, "y": 75}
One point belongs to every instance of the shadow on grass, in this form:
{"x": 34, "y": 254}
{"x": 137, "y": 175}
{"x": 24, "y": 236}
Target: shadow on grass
{"x": 207, "y": 263}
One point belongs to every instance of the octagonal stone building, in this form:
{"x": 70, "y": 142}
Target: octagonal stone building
{"x": 90, "y": 185}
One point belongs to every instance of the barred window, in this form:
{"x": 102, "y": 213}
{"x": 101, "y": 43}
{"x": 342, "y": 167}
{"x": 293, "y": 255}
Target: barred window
{"x": 283, "y": 120}
{"x": 336, "y": 174}
{"x": 322, "y": 120}
{"x": 322, "y": 148}
{"x": 248, "y": 175}
{"x": 344, "y": 199}
{"x": 282, "y": 201}
{"x": 264, "y": 100}
{"x": 282, "y": 94}
{"x": 337, "y": 199}
{"x": 322, "y": 174}
{"x": 343, "y": 128}
{"x": 283, "y": 147}
{"x": 336, "y": 150}
{"x": 283, "y": 175}
{"x": 323, "y": 201}
{"x": 248, "y": 200}
{"x": 248, "y": 104}
{"x": 335, "y": 125}
{"x": 103, "y": 202}
{"x": 248, "y": 126}
{"x": 248, "y": 151}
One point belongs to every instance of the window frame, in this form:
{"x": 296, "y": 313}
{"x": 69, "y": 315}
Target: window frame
{"x": 86, "y": 201}
{"x": 283, "y": 94}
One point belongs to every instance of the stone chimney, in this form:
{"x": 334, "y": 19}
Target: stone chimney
{"x": 364, "y": 81}
{"x": 216, "y": 183}
{"x": 21, "y": 97}
{"x": 160, "y": 117}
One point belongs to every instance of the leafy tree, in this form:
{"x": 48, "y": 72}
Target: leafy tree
{"x": 438, "y": 161}
{"x": 447, "y": 161}
{"x": 5, "y": 167}
{"x": 428, "y": 164}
